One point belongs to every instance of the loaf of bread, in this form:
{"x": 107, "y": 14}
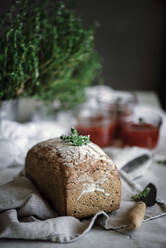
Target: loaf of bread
{"x": 77, "y": 180}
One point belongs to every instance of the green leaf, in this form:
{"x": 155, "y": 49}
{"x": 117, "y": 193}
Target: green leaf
{"x": 162, "y": 162}
{"x": 142, "y": 195}
{"x": 141, "y": 120}
{"x": 75, "y": 139}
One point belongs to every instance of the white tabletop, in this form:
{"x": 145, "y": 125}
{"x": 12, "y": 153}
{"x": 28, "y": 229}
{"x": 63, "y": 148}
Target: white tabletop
{"x": 152, "y": 234}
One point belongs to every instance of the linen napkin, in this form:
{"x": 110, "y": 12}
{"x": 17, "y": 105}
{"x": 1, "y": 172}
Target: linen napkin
{"x": 24, "y": 214}
{"x": 16, "y": 139}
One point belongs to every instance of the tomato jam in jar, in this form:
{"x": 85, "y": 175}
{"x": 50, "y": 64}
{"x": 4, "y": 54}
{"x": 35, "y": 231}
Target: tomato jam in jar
{"x": 99, "y": 124}
{"x": 121, "y": 105}
{"x": 143, "y": 132}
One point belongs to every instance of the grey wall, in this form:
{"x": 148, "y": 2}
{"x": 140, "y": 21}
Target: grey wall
{"x": 129, "y": 38}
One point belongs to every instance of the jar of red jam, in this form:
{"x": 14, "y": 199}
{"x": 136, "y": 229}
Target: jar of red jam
{"x": 98, "y": 123}
{"x": 141, "y": 130}
{"x": 121, "y": 105}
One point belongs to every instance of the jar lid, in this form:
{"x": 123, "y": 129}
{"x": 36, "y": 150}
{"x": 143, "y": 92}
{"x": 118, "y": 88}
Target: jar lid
{"x": 119, "y": 97}
{"x": 92, "y": 109}
{"x": 105, "y": 94}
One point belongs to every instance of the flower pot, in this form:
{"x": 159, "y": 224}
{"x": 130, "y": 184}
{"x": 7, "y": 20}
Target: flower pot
{"x": 9, "y": 110}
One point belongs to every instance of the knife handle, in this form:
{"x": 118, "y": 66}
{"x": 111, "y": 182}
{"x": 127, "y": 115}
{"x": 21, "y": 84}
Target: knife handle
{"x": 136, "y": 216}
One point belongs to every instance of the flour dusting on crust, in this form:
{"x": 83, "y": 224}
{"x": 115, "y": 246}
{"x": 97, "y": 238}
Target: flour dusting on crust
{"x": 73, "y": 155}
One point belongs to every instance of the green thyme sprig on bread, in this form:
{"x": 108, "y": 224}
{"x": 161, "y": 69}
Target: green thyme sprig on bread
{"x": 75, "y": 139}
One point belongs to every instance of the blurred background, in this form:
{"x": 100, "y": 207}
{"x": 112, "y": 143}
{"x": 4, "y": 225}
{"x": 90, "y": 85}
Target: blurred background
{"x": 130, "y": 37}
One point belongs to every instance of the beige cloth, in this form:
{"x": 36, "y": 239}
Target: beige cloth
{"x": 24, "y": 214}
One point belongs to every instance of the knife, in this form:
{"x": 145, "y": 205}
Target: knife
{"x": 146, "y": 198}
{"x": 136, "y": 163}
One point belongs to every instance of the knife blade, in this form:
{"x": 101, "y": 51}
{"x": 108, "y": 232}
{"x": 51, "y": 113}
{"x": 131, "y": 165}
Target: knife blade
{"x": 136, "y": 163}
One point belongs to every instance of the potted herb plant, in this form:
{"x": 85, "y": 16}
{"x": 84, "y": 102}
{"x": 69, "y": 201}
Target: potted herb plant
{"x": 46, "y": 53}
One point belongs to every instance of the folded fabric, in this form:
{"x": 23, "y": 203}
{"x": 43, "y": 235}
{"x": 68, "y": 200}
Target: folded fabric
{"x": 16, "y": 139}
{"x": 24, "y": 214}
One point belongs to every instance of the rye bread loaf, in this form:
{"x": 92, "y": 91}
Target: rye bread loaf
{"x": 77, "y": 180}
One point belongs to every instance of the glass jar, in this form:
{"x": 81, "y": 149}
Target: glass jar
{"x": 120, "y": 104}
{"x": 97, "y": 122}
{"x": 142, "y": 129}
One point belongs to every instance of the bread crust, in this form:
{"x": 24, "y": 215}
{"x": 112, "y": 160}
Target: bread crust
{"x": 78, "y": 180}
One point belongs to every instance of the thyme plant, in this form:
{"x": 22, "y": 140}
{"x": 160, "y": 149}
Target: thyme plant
{"x": 45, "y": 52}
